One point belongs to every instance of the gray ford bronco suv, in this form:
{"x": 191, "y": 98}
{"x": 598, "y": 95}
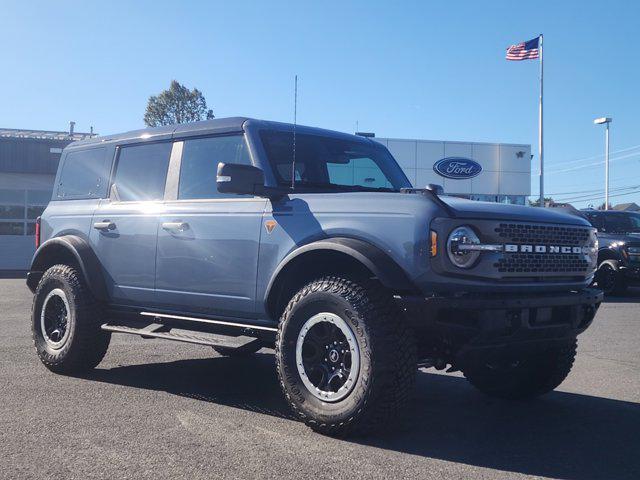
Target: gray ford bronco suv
{"x": 240, "y": 234}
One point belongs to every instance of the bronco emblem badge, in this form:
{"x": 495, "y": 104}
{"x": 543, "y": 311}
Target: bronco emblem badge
{"x": 270, "y": 225}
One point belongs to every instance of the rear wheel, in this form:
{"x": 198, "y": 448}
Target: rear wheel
{"x": 65, "y": 322}
{"x": 610, "y": 279}
{"x": 346, "y": 361}
{"x": 521, "y": 376}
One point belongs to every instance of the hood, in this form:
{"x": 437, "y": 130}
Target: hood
{"x": 463, "y": 208}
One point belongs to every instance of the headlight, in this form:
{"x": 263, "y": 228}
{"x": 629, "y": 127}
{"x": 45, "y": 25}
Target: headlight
{"x": 592, "y": 249}
{"x": 460, "y": 256}
{"x": 634, "y": 253}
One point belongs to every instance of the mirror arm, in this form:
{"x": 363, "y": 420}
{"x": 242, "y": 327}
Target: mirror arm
{"x": 273, "y": 193}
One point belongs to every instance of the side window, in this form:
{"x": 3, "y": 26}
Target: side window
{"x": 83, "y": 173}
{"x": 199, "y": 165}
{"x": 141, "y": 172}
{"x": 616, "y": 224}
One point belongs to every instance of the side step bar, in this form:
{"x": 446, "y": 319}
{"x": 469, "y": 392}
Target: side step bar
{"x": 207, "y": 320}
{"x": 187, "y": 337}
{"x": 216, "y": 333}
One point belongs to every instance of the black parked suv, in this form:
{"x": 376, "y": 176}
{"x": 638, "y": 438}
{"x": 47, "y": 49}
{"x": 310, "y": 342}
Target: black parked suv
{"x": 619, "y": 252}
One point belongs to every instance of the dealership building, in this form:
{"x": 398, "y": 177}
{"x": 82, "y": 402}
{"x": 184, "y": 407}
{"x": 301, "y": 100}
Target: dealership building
{"x": 29, "y": 159}
{"x": 492, "y": 172}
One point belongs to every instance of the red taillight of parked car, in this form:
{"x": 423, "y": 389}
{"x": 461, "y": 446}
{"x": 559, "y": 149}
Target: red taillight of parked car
{"x": 37, "y": 232}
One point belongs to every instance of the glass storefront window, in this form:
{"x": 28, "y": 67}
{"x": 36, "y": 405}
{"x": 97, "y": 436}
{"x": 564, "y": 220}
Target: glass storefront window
{"x": 34, "y": 211}
{"x": 18, "y": 209}
{"x": 11, "y": 228}
{"x": 11, "y": 203}
{"x": 11, "y": 211}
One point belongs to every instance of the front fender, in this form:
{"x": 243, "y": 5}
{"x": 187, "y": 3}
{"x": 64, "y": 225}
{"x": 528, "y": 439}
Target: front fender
{"x": 385, "y": 269}
{"x": 68, "y": 248}
{"x": 609, "y": 253}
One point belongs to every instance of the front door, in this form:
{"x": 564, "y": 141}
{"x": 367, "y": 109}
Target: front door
{"x": 207, "y": 254}
{"x": 124, "y": 226}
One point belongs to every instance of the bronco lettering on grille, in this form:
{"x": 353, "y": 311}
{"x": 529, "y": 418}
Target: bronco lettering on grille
{"x": 511, "y": 248}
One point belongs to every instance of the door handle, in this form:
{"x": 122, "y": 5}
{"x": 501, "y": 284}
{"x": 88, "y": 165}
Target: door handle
{"x": 175, "y": 226}
{"x": 106, "y": 225}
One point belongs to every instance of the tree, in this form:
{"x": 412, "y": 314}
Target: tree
{"x": 536, "y": 203}
{"x": 176, "y": 105}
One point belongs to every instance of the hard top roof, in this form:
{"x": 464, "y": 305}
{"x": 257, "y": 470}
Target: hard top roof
{"x": 208, "y": 127}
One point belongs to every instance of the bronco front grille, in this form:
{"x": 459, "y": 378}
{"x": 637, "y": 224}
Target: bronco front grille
{"x": 547, "y": 262}
{"x": 543, "y": 234}
{"x": 542, "y": 263}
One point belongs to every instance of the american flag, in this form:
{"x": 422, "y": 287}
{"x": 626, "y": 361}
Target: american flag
{"x": 524, "y": 50}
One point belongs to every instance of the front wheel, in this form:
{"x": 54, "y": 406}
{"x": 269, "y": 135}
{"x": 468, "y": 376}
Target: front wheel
{"x": 610, "y": 279}
{"x": 522, "y": 376}
{"x": 346, "y": 361}
{"x": 65, "y": 322}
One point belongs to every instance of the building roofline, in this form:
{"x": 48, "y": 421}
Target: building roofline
{"x": 43, "y": 134}
{"x": 462, "y": 142}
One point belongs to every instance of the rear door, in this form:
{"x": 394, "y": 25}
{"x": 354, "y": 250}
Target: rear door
{"x": 207, "y": 253}
{"x": 125, "y": 225}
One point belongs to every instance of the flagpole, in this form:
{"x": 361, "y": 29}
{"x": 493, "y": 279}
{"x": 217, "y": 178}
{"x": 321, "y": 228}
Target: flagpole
{"x": 540, "y": 129}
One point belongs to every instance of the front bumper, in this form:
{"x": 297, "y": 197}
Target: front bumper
{"x": 632, "y": 273}
{"x": 492, "y": 322}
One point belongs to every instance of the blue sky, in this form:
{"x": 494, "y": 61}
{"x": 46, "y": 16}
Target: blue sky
{"x": 416, "y": 69}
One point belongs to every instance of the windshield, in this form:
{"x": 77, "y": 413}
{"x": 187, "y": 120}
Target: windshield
{"x": 326, "y": 163}
{"x": 630, "y": 222}
{"x": 616, "y": 222}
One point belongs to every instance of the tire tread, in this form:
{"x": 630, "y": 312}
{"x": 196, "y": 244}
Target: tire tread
{"x": 393, "y": 355}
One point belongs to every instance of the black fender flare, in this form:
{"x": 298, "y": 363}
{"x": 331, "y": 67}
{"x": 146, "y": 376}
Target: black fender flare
{"x": 83, "y": 255}
{"x": 608, "y": 253}
{"x": 383, "y": 267}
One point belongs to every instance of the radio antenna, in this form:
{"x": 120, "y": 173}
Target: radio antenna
{"x": 295, "y": 121}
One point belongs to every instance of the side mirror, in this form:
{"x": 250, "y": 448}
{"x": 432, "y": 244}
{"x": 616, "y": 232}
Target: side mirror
{"x": 240, "y": 179}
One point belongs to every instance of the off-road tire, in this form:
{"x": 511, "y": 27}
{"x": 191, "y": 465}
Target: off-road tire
{"x": 538, "y": 373}
{"x": 387, "y": 356}
{"x": 616, "y": 284}
{"x": 86, "y": 344}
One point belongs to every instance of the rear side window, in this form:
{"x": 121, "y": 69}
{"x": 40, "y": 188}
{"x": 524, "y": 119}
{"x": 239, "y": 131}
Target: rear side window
{"x": 83, "y": 174}
{"x": 199, "y": 165}
{"x": 141, "y": 172}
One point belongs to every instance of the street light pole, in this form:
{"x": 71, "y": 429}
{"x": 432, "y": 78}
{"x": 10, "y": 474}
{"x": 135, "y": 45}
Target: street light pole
{"x": 606, "y": 121}
{"x": 606, "y": 167}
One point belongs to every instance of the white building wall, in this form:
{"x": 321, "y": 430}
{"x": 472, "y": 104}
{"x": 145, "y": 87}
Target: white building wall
{"x": 506, "y": 168}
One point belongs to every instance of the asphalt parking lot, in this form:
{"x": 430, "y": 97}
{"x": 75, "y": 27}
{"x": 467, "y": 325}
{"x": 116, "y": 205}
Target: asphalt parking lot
{"x": 156, "y": 409}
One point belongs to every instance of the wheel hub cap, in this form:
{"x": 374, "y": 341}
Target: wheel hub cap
{"x": 54, "y": 319}
{"x": 327, "y": 357}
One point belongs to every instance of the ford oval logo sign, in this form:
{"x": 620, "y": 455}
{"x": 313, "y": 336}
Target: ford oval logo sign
{"x": 457, "y": 168}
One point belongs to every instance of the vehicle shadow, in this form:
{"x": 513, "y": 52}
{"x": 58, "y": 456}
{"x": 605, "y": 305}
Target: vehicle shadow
{"x": 631, "y": 296}
{"x": 561, "y": 435}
